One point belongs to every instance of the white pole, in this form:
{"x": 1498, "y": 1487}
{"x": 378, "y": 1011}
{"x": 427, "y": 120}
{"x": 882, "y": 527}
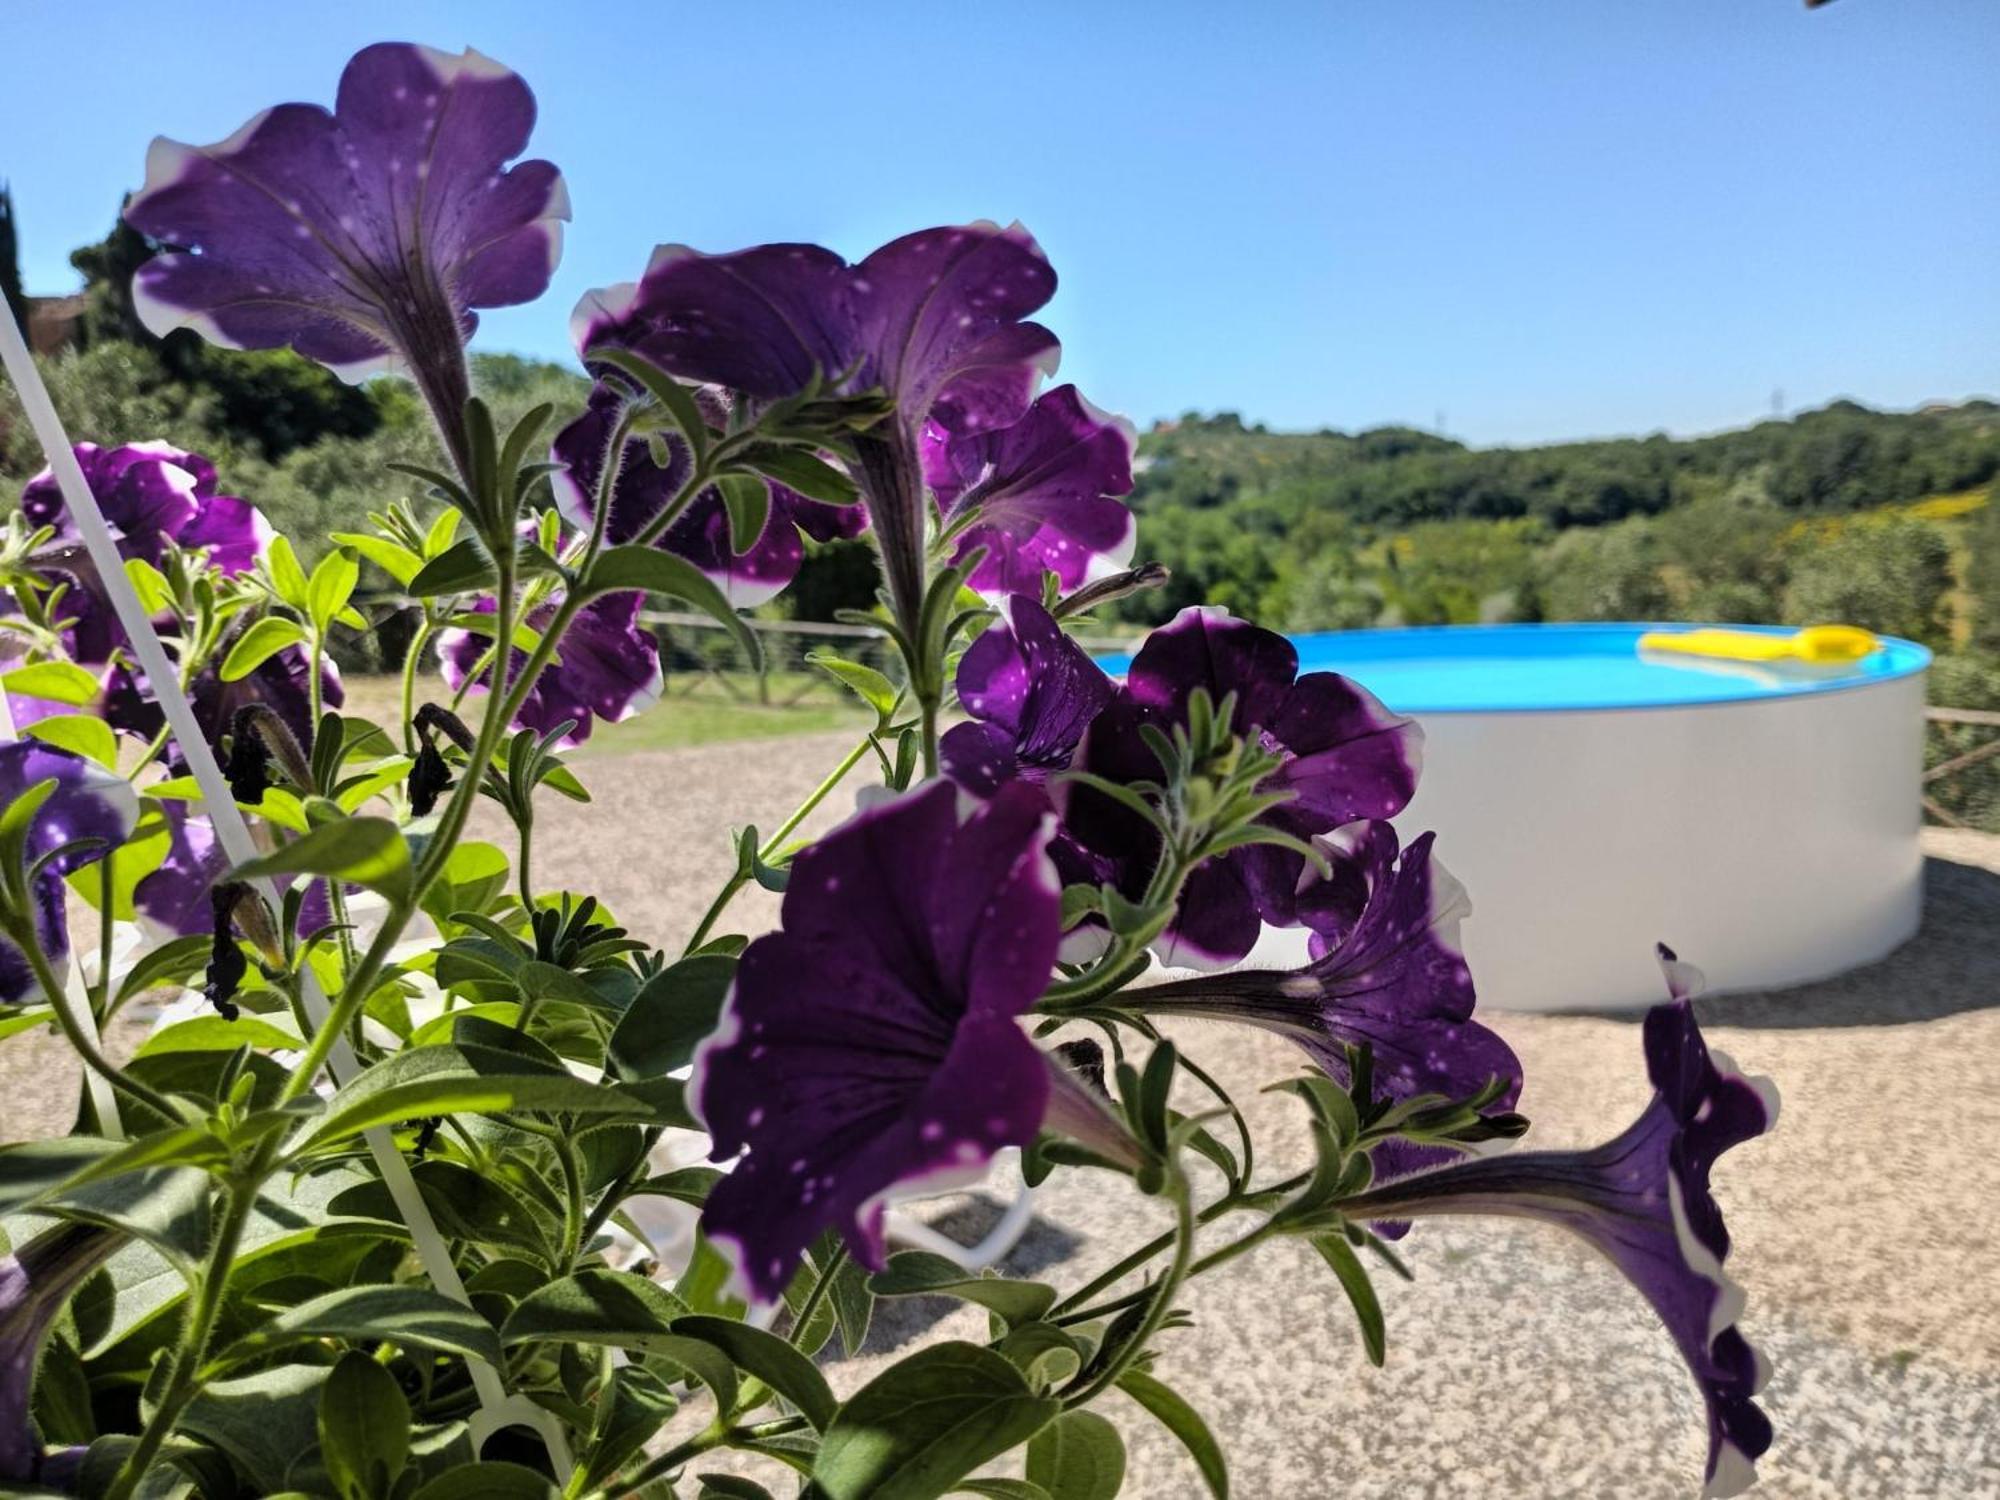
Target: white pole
{"x": 498, "y": 1409}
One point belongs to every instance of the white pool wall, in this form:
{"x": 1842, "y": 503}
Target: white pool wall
{"x": 1771, "y": 841}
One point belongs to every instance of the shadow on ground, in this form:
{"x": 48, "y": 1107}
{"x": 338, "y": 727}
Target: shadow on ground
{"x": 1951, "y": 966}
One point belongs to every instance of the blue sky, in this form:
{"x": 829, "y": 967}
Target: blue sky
{"x": 1528, "y": 221}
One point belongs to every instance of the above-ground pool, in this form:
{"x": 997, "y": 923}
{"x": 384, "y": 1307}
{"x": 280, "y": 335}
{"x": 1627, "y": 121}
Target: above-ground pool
{"x": 1762, "y": 821}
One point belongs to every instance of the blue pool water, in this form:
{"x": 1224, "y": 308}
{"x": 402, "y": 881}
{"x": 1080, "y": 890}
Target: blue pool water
{"x": 1518, "y": 668}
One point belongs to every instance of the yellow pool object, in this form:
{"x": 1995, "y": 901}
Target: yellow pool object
{"x": 1815, "y": 645}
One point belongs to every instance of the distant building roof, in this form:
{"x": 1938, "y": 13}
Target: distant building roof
{"x": 52, "y": 321}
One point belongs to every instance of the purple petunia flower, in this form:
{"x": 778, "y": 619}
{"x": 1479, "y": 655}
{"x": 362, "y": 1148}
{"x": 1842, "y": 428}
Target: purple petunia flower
{"x": 609, "y": 667}
{"x": 361, "y": 237}
{"x": 1386, "y": 973}
{"x": 1343, "y": 757}
{"x": 36, "y": 1282}
{"x": 1644, "y": 1201}
{"x": 88, "y": 802}
{"x": 934, "y": 319}
{"x": 701, "y": 533}
{"x": 870, "y": 1049}
{"x": 1045, "y": 490}
{"x": 152, "y": 494}
{"x": 1032, "y": 693}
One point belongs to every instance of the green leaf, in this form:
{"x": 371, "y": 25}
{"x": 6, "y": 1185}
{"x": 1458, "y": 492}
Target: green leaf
{"x": 487, "y": 1481}
{"x": 259, "y": 644}
{"x": 672, "y": 1012}
{"x": 923, "y": 1424}
{"x": 462, "y": 568}
{"x": 1078, "y": 1456}
{"x": 55, "y": 681}
{"x": 919, "y": 1273}
{"x": 263, "y": 1422}
{"x": 690, "y": 1185}
{"x": 80, "y": 734}
{"x": 633, "y": 1404}
{"x": 853, "y": 1304}
{"x": 175, "y": 1146}
{"x": 287, "y": 577}
{"x": 867, "y": 684}
{"x": 169, "y": 964}
{"x": 423, "y": 1081}
{"x": 1185, "y": 1423}
{"x": 127, "y": 865}
{"x": 354, "y": 791}
{"x": 729, "y": 1487}
{"x": 771, "y": 1360}
{"x": 1337, "y": 1253}
{"x": 367, "y": 851}
{"x": 167, "y": 1207}
{"x": 215, "y": 1034}
{"x": 474, "y": 876}
{"x": 1003, "y": 1489}
{"x": 331, "y": 586}
{"x": 398, "y": 561}
{"x": 809, "y": 474}
{"x": 656, "y": 572}
{"x": 747, "y": 501}
{"x": 1047, "y": 1354}
{"x": 414, "y": 1316}
{"x": 597, "y": 1306}
{"x": 32, "y": 1168}
{"x": 479, "y": 1208}
{"x": 27, "y": 1018}
{"x": 150, "y": 585}
{"x": 364, "y": 1428}
{"x": 677, "y": 399}
{"x": 443, "y": 531}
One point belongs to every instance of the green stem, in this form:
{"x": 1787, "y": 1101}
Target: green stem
{"x": 776, "y": 841}
{"x": 28, "y": 941}
{"x": 315, "y": 693}
{"x": 713, "y": 1436}
{"x": 413, "y": 660}
{"x": 927, "y": 711}
{"x": 573, "y": 1215}
{"x": 1200, "y": 1267}
{"x": 107, "y": 932}
{"x": 523, "y": 866}
{"x": 196, "y": 1330}
{"x": 818, "y": 1293}
{"x": 1162, "y": 1294}
{"x": 1228, "y": 1203}
{"x": 500, "y": 708}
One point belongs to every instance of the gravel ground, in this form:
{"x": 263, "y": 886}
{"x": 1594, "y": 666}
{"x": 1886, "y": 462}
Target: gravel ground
{"x": 1865, "y": 1228}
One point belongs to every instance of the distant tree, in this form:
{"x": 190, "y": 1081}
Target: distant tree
{"x": 107, "y": 268}
{"x": 1982, "y": 572}
{"x": 1613, "y": 573}
{"x": 10, "y": 261}
{"x": 835, "y": 576}
{"x": 270, "y": 398}
{"x": 1890, "y": 574}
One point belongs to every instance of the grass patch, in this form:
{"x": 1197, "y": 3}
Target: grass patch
{"x": 708, "y": 719}
{"x": 707, "y": 715}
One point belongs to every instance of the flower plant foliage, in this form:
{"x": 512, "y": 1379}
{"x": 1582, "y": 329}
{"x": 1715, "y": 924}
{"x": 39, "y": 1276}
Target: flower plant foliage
{"x": 649, "y": 1185}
